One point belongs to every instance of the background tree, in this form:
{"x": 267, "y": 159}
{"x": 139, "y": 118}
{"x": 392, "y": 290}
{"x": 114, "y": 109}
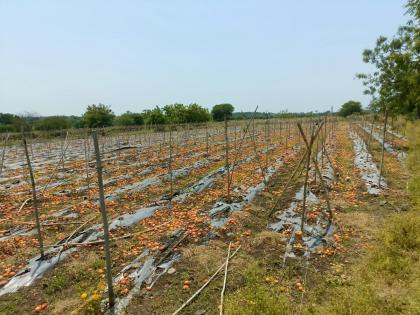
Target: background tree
{"x": 98, "y": 116}
{"x": 396, "y": 82}
{"x": 349, "y": 108}
{"x": 181, "y": 114}
{"x": 25, "y": 121}
{"x": 7, "y": 122}
{"x": 53, "y": 123}
{"x": 197, "y": 114}
{"x": 175, "y": 113}
{"x": 154, "y": 116}
{"x": 75, "y": 121}
{"x": 221, "y": 110}
{"x": 129, "y": 119}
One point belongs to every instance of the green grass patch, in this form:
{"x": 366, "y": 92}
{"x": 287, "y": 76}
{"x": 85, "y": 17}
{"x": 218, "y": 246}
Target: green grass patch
{"x": 387, "y": 279}
{"x": 255, "y": 296}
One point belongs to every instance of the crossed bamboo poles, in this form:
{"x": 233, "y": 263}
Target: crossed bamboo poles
{"x": 308, "y": 158}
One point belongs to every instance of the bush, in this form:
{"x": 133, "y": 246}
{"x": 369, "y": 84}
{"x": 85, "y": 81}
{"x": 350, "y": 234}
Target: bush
{"x": 129, "y": 119}
{"x": 53, "y": 123}
{"x": 98, "y": 116}
{"x": 181, "y": 114}
{"x": 154, "y": 116}
{"x": 350, "y": 108}
{"x": 219, "y": 112}
{"x": 6, "y": 128}
{"x": 197, "y": 114}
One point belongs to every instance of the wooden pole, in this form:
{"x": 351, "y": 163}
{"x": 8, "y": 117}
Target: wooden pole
{"x": 222, "y": 293}
{"x": 3, "y": 153}
{"x": 370, "y": 137}
{"x": 267, "y": 143}
{"x": 104, "y": 220}
{"x": 170, "y": 165}
{"x": 207, "y": 139}
{"x": 227, "y": 158}
{"x": 383, "y": 147}
{"x": 308, "y": 161}
{"x": 34, "y": 200}
{"x": 86, "y": 147}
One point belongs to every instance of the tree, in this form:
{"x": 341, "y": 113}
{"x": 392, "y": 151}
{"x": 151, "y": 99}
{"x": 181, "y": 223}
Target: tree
{"x": 7, "y": 119}
{"x": 176, "y": 113}
{"x": 220, "y": 111}
{"x": 98, "y": 116}
{"x": 129, "y": 119}
{"x": 181, "y": 114}
{"x": 154, "y": 116}
{"x": 53, "y": 123}
{"x": 7, "y": 122}
{"x": 75, "y": 121}
{"x": 395, "y": 84}
{"x": 349, "y": 108}
{"x": 197, "y": 113}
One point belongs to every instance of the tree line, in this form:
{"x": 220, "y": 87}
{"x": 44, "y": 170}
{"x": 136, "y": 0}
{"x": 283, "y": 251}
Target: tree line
{"x": 101, "y": 115}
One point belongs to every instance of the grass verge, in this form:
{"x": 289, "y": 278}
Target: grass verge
{"x": 387, "y": 279}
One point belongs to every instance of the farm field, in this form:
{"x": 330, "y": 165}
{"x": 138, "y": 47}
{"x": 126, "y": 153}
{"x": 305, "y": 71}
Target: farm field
{"x": 210, "y": 157}
{"x": 180, "y": 198}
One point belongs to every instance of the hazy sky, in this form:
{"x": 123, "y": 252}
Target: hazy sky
{"x": 56, "y": 56}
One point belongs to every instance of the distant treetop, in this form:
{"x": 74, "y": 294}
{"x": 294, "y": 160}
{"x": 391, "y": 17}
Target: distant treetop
{"x": 350, "y": 108}
{"x": 220, "y": 111}
{"x": 98, "y": 116}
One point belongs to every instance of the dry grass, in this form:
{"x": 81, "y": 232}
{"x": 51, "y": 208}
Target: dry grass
{"x": 387, "y": 279}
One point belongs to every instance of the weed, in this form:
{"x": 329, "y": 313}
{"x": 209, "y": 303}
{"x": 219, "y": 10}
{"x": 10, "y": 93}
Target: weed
{"x": 255, "y": 297}
{"x": 56, "y": 283}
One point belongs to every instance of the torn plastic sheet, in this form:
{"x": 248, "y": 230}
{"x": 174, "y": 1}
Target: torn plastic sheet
{"x": 141, "y": 271}
{"x": 315, "y": 233}
{"x": 221, "y": 210}
{"x": 36, "y": 267}
{"x": 368, "y": 170}
{"x": 401, "y": 155}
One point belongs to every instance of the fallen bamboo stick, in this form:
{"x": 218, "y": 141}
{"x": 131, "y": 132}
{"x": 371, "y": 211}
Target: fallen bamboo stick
{"x": 222, "y": 294}
{"x": 54, "y": 172}
{"x": 78, "y": 229}
{"x": 288, "y": 183}
{"x": 48, "y": 224}
{"x": 111, "y": 239}
{"x": 204, "y": 285}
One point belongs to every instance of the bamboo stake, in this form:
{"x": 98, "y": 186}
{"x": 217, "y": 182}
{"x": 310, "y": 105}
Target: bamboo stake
{"x": 207, "y": 139}
{"x": 287, "y": 184}
{"x": 34, "y": 200}
{"x": 317, "y": 170}
{"x": 104, "y": 220}
{"x": 100, "y": 242}
{"x": 266, "y": 144}
{"x": 222, "y": 294}
{"x": 86, "y": 147}
{"x": 227, "y": 159}
{"x": 383, "y": 147}
{"x": 204, "y": 285}
{"x": 370, "y": 138}
{"x": 170, "y": 166}
{"x": 305, "y": 185}
{"x": 3, "y": 153}
{"x": 240, "y": 144}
